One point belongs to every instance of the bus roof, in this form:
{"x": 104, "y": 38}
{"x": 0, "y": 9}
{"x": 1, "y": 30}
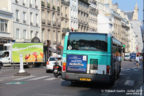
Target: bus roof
{"x": 88, "y": 33}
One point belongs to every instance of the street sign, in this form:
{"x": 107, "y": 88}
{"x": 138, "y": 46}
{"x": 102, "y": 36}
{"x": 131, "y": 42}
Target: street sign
{"x": 124, "y": 46}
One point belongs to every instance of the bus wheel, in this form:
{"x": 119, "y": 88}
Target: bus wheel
{"x": 112, "y": 80}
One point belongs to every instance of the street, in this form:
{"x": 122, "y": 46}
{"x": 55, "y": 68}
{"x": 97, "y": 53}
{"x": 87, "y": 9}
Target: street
{"x": 40, "y": 83}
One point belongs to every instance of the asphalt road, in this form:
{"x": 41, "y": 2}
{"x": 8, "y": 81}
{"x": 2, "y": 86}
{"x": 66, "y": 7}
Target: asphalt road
{"x": 40, "y": 83}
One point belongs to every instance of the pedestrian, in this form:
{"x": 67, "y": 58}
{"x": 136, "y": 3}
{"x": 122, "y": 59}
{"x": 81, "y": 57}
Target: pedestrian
{"x": 137, "y": 60}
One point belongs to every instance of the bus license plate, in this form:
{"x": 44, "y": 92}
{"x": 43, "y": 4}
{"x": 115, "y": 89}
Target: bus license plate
{"x": 85, "y": 79}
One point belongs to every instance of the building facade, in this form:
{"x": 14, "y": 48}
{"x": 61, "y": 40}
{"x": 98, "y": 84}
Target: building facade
{"x": 65, "y": 19}
{"x": 51, "y": 22}
{"x": 93, "y": 12}
{"x": 5, "y": 27}
{"x": 26, "y": 19}
{"x": 73, "y": 15}
{"x": 135, "y": 29}
{"x": 83, "y": 16}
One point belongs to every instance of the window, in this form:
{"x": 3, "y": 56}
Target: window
{"x": 31, "y": 34}
{"x": 24, "y": 2}
{"x": 36, "y": 19}
{"x": 24, "y": 34}
{"x": 17, "y": 34}
{"x": 31, "y": 18}
{"x": 31, "y": 2}
{"x": 24, "y": 17}
{"x": 87, "y": 41}
{"x": 17, "y": 15}
{"x": 42, "y": 35}
{"x": 3, "y": 25}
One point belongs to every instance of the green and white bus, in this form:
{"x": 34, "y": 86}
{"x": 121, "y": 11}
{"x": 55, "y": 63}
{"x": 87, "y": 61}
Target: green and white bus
{"x": 91, "y": 57}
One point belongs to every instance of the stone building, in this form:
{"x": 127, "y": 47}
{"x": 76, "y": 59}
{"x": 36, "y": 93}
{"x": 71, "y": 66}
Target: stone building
{"x": 73, "y": 15}
{"x": 136, "y": 29}
{"x": 26, "y": 18}
{"x": 93, "y": 12}
{"x": 5, "y": 27}
{"x": 65, "y": 20}
{"x": 51, "y": 22}
{"x": 83, "y": 15}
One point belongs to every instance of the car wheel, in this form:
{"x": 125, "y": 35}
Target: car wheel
{"x": 1, "y": 64}
{"x": 47, "y": 71}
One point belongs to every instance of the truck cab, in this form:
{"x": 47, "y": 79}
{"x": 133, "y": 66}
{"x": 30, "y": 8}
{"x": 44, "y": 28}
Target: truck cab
{"x": 5, "y": 55}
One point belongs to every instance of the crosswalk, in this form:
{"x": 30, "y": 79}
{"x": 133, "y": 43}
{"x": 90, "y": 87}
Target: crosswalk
{"x": 30, "y": 78}
{"x": 131, "y": 69}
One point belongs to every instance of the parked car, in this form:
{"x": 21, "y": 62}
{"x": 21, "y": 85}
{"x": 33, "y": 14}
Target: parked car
{"x": 127, "y": 56}
{"x": 51, "y": 62}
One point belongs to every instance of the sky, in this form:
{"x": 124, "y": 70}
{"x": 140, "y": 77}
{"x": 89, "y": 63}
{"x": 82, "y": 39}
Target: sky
{"x": 128, "y": 5}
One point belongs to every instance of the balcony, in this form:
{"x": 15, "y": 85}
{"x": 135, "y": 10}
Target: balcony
{"x": 54, "y": 24}
{"x": 59, "y": 24}
{"x": 49, "y": 23}
{"x": 64, "y": 2}
{"x": 43, "y": 22}
{"x": 4, "y": 34}
{"x": 64, "y": 30}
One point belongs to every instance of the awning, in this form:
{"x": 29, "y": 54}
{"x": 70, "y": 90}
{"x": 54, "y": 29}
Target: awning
{"x": 60, "y": 47}
{"x": 52, "y": 50}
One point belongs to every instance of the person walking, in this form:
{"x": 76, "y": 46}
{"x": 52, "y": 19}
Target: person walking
{"x": 137, "y": 61}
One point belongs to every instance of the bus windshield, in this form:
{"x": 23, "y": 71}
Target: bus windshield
{"x": 87, "y": 41}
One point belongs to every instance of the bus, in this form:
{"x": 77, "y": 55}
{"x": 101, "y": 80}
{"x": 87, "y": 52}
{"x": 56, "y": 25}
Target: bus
{"x": 91, "y": 57}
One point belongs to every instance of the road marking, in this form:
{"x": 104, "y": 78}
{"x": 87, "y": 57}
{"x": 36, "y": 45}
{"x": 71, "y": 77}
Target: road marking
{"x": 129, "y": 82}
{"x": 38, "y": 78}
{"x": 5, "y": 78}
{"x": 122, "y": 74}
{"x": 141, "y": 91}
{"x": 15, "y": 83}
{"x": 53, "y": 78}
{"x": 22, "y": 78}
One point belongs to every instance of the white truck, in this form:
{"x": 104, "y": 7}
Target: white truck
{"x": 32, "y": 54}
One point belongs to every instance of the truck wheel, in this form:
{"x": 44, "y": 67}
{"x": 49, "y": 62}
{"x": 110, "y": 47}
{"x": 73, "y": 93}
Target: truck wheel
{"x": 30, "y": 65}
{"x": 1, "y": 64}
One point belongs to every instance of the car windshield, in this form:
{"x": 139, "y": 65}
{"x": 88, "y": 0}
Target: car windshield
{"x": 126, "y": 55}
{"x": 87, "y": 41}
{"x": 52, "y": 59}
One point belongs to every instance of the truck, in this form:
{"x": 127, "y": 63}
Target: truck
{"x": 32, "y": 54}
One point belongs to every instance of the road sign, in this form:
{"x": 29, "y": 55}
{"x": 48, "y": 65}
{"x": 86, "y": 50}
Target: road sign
{"x": 124, "y": 46}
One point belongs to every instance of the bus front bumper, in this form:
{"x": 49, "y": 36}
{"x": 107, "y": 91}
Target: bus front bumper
{"x": 85, "y": 77}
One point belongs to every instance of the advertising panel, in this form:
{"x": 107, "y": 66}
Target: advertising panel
{"x": 32, "y": 52}
{"x": 77, "y": 63}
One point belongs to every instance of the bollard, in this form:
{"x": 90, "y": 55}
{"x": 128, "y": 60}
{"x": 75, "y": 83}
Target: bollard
{"x": 21, "y": 64}
{"x": 22, "y": 72}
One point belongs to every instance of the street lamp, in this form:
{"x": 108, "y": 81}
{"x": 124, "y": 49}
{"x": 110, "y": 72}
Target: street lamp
{"x": 143, "y": 40}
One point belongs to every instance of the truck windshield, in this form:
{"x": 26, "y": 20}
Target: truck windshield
{"x": 4, "y": 54}
{"x": 87, "y": 41}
